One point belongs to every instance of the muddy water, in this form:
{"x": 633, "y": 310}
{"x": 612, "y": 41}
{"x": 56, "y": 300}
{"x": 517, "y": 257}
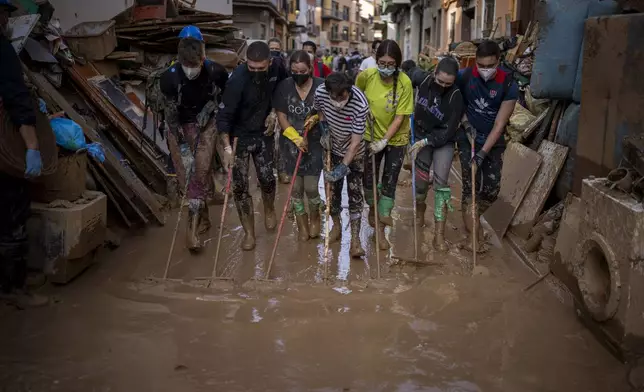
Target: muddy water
{"x": 426, "y": 329}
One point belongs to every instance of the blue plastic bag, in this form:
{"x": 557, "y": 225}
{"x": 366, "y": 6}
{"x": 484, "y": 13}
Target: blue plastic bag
{"x": 69, "y": 135}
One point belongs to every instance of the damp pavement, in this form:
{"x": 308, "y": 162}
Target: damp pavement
{"x": 418, "y": 328}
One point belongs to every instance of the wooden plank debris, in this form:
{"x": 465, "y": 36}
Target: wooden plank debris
{"x": 114, "y": 168}
{"x": 554, "y": 156}
{"x": 520, "y": 165}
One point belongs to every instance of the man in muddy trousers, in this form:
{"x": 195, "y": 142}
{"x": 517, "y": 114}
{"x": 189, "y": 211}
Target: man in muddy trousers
{"x": 14, "y": 197}
{"x": 192, "y": 89}
{"x": 246, "y": 105}
{"x": 489, "y": 96}
{"x": 343, "y": 111}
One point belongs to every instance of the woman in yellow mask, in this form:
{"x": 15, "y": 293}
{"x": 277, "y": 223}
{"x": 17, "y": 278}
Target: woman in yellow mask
{"x": 390, "y": 95}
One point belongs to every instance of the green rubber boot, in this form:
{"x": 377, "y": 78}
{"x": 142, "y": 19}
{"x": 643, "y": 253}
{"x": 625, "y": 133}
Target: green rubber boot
{"x": 385, "y": 205}
{"x": 442, "y": 197}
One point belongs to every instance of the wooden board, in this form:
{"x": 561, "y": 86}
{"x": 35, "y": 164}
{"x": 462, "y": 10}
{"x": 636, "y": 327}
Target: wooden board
{"x": 554, "y": 156}
{"x": 520, "y": 165}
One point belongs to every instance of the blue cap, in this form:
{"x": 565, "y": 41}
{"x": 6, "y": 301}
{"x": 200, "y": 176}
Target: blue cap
{"x": 187, "y": 32}
{"x": 7, "y": 3}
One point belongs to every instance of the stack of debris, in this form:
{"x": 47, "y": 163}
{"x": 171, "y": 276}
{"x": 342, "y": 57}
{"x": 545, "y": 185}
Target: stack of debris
{"x": 108, "y": 64}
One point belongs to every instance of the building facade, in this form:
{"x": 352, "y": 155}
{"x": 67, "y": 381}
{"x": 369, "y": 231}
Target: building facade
{"x": 261, "y": 19}
{"x": 440, "y": 24}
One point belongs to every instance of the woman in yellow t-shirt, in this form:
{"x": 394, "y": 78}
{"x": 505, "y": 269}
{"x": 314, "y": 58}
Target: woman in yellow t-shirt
{"x": 390, "y": 95}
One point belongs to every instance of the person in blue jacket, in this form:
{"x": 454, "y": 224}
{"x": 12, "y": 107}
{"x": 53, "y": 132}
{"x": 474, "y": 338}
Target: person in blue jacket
{"x": 489, "y": 95}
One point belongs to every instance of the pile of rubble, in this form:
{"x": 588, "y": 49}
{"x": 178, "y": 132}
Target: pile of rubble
{"x": 95, "y": 74}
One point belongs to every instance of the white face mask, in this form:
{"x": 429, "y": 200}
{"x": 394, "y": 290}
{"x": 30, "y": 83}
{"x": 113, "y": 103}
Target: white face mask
{"x": 487, "y": 73}
{"x": 339, "y": 105}
{"x": 191, "y": 73}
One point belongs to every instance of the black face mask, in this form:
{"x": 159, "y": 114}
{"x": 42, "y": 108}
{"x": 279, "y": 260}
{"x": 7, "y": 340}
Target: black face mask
{"x": 276, "y": 53}
{"x": 259, "y": 77}
{"x": 437, "y": 88}
{"x": 300, "y": 79}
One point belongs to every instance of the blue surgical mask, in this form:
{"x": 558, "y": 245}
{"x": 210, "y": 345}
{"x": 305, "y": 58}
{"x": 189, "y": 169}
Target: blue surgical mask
{"x": 386, "y": 72}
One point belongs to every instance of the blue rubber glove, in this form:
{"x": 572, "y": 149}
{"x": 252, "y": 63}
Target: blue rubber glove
{"x": 339, "y": 172}
{"x": 42, "y": 105}
{"x": 33, "y": 163}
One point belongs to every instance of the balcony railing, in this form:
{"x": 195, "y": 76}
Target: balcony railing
{"x": 331, "y": 14}
{"x": 335, "y": 37}
{"x": 345, "y": 37}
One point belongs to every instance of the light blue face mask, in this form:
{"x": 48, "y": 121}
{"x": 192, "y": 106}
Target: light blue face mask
{"x": 386, "y": 72}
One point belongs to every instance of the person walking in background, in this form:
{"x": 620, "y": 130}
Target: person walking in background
{"x": 489, "y": 95}
{"x": 370, "y": 62}
{"x": 320, "y": 70}
{"x": 343, "y": 111}
{"x": 192, "y": 88}
{"x": 245, "y": 107}
{"x": 328, "y": 59}
{"x": 437, "y": 114}
{"x": 293, "y": 102}
{"x": 390, "y": 97}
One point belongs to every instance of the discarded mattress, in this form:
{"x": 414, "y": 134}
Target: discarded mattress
{"x": 567, "y": 136}
{"x": 561, "y": 32}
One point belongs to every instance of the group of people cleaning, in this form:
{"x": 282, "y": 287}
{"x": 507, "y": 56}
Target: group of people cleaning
{"x": 356, "y": 122}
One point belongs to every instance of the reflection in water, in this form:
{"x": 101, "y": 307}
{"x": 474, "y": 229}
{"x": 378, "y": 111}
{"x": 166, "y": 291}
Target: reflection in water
{"x": 256, "y": 317}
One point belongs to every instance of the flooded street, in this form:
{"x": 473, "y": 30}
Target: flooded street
{"x": 417, "y": 329}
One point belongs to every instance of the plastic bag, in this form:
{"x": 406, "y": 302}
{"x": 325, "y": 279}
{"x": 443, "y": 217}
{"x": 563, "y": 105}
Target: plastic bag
{"x": 69, "y": 135}
{"x": 520, "y": 119}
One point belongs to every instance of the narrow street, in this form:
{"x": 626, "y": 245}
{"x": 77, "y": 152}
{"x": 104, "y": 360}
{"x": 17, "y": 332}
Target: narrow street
{"x": 424, "y": 329}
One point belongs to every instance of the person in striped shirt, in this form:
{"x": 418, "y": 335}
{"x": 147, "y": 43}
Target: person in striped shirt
{"x": 343, "y": 111}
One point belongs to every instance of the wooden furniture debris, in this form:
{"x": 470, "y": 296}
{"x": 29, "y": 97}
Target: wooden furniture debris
{"x": 520, "y": 165}
{"x": 554, "y": 156}
{"x": 117, "y": 171}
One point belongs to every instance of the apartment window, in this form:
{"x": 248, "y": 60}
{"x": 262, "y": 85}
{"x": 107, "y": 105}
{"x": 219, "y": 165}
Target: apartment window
{"x": 335, "y": 7}
{"x": 345, "y": 33}
{"x": 452, "y": 27}
{"x": 489, "y": 14}
{"x": 345, "y": 13}
{"x": 318, "y": 3}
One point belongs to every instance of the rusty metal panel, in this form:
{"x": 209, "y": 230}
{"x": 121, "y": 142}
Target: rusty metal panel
{"x": 612, "y": 93}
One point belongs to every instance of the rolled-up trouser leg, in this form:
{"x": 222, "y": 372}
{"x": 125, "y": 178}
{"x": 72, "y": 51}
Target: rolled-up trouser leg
{"x": 14, "y": 212}
{"x": 394, "y": 156}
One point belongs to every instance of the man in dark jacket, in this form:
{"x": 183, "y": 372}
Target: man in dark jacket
{"x": 243, "y": 115}
{"x": 192, "y": 88}
{"x": 14, "y": 197}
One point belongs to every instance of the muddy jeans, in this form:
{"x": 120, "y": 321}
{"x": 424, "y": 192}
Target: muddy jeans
{"x": 14, "y": 212}
{"x": 488, "y": 176}
{"x": 394, "y": 157}
{"x": 261, "y": 149}
{"x": 354, "y": 187}
{"x": 201, "y": 185}
{"x": 441, "y": 158}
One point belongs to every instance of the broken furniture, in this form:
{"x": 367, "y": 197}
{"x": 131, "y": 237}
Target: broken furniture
{"x": 607, "y": 264}
{"x": 63, "y": 238}
{"x": 92, "y": 40}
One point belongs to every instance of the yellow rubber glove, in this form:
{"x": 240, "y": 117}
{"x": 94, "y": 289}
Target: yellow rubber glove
{"x": 295, "y": 137}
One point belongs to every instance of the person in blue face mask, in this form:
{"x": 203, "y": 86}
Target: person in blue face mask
{"x": 192, "y": 90}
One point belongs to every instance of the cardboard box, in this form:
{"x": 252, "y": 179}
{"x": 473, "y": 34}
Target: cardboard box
{"x": 57, "y": 234}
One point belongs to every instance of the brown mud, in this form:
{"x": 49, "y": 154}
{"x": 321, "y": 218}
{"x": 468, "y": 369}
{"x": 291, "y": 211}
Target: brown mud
{"x": 428, "y": 329}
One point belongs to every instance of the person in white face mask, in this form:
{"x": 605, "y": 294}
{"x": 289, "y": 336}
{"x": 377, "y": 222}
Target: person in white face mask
{"x": 343, "y": 111}
{"x": 192, "y": 89}
{"x": 489, "y": 96}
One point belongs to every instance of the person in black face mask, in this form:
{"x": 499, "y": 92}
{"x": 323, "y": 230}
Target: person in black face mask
{"x": 438, "y": 110}
{"x": 293, "y": 102}
{"x": 275, "y": 46}
{"x": 246, "y": 105}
